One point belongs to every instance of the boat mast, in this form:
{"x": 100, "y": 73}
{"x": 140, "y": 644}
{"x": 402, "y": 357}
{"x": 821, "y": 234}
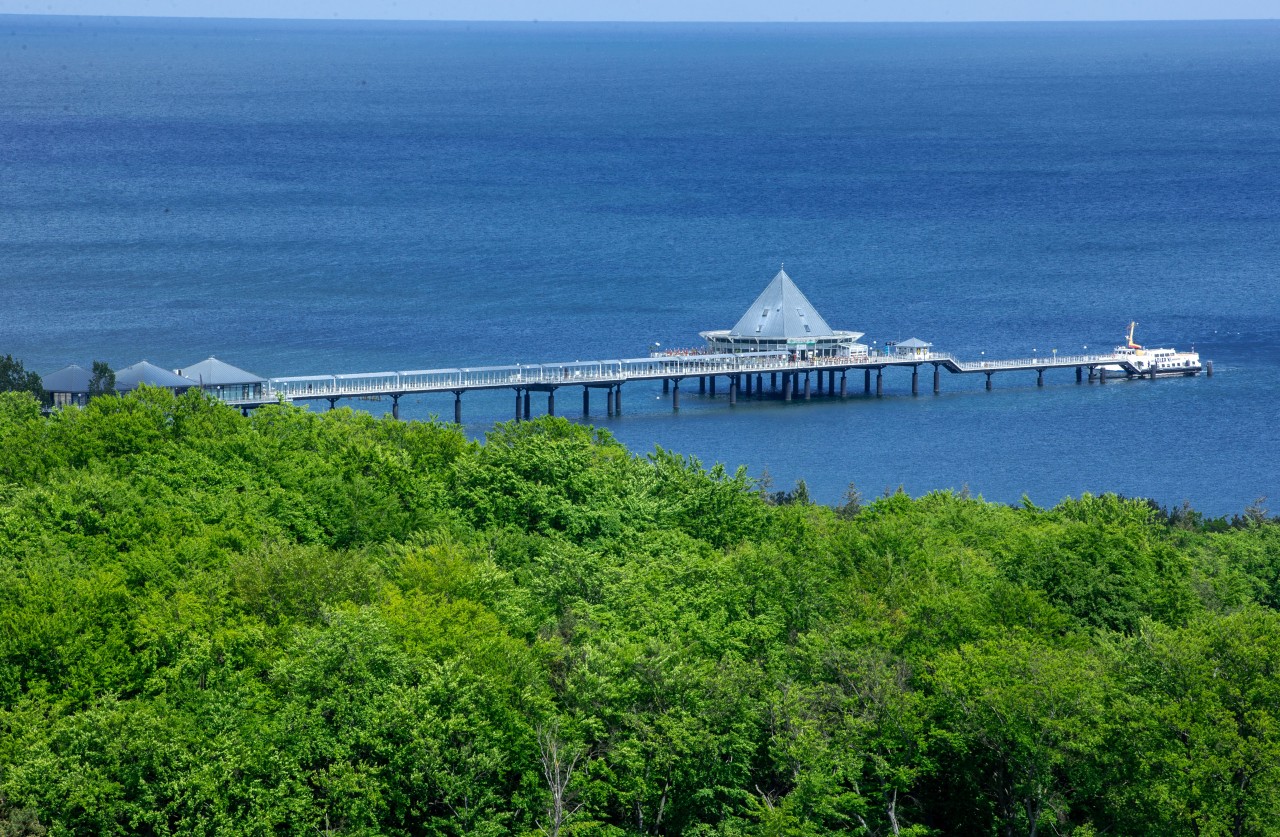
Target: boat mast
{"x": 1132, "y": 325}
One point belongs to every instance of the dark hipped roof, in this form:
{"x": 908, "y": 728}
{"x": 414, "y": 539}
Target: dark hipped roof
{"x": 152, "y": 375}
{"x": 213, "y": 372}
{"x": 73, "y": 379}
{"x": 781, "y": 312}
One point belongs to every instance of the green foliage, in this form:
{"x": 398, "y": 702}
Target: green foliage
{"x": 1029, "y": 713}
{"x": 17, "y": 407}
{"x": 15, "y": 378}
{"x": 1103, "y": 560}
{"x": 102, "y": 380}
{"x": 299, "y": 623}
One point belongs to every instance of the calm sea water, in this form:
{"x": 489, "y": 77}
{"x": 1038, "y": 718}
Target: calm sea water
{"x": 302, "y": 198}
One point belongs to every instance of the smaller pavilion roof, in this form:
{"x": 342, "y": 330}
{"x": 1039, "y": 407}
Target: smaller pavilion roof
{"x": 73, "y": 379}
{"x": 914, "y": 343}
{"x": 147, "y": 373}
{"x": 213, "y": 372}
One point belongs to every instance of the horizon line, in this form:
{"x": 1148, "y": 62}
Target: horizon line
{"x": 624, "y": 21}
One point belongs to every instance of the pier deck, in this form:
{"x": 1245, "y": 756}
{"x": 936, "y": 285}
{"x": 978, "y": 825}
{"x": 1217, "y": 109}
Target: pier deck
{"x": 671, "y": 369}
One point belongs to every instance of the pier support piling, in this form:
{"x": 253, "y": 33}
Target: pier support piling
{"x": 844, "y": 384}
{"x": 395, "y": 407}
{"x": 866, "y": 382}
{"x": 333, "y": 403}
{"x": 526, "y": 405}
{"x": 819, "y": 382}
{"x": 1102, "y": 374}
{"x": 733, "y": 390}
{"x": 937, "y": 379}
{"x": 759, "y": 385}
{"x": 915, "y": 380}
{"x": 675, "y": 395}
{"x": 666, "y": 386}
{"x": 807, "y": 392}
{"x": 989, "y": 374}
{"x": 1208, "y": 369}
{"x": 518, "y": 405}
{"x": 747, "y": 382}
{"x": 586, "y": 401}
{"x": 786, "y": 386}
{"x": 1079, "y": 375}
{"x": 551, "y": 402}
{"x": 702, "y": 385}
{"x": 1039, "y": 377}
{"x": 617, "y": 401}
{"x": 608, "y": 401}
{"x": 713, "y": 386}
{"x": 457, "y": 407}
{"x": 773, "y": 381}
{"x": 880, "y": 382}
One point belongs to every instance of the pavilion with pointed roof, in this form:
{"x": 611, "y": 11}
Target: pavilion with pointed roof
{"x": 224, "y": 381}
{"x": 783, "y": 319}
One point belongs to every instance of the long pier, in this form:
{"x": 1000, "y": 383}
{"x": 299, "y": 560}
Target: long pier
{"x": 743, "y": 374}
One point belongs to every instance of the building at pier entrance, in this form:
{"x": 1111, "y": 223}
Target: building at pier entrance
{"x": 224, "y": 381}
{"x": 68, "y": 386}
{"x": 782, "y": 319}
{"x": 147, "y": 373}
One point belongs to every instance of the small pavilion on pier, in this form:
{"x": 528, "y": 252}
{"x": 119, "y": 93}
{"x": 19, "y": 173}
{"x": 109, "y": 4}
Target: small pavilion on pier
{"x": 782, "y": 319}
{"x": 914, "y": 347}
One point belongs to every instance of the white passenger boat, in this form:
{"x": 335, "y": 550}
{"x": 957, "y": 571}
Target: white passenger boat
{"x": 1140, "y": 361}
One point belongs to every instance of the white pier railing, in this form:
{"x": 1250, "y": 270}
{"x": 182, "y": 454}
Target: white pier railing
{"x": 620, "y": 371}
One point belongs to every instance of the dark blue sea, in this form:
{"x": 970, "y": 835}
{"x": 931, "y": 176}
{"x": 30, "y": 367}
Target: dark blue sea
{"x": 301, "y": 198}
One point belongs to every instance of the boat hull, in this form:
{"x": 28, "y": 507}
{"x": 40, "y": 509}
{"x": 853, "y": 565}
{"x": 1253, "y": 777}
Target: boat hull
{"x": 1178, "y": 372}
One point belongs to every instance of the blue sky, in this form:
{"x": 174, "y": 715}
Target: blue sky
{"x": 668, "y": 10}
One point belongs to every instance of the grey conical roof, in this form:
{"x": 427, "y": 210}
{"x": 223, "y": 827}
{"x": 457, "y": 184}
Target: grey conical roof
{"x": 72, "y": 379}
{"x": 152, "y": 375}
{"x": 781, "y": 312}
{"x": 213, "y": 372}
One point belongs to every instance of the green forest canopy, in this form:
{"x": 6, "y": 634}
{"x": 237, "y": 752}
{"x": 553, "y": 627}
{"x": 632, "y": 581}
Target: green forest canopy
{"x": 300, "y": 623}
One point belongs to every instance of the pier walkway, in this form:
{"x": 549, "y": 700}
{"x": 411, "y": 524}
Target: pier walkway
{"x": 743, "y": 373}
